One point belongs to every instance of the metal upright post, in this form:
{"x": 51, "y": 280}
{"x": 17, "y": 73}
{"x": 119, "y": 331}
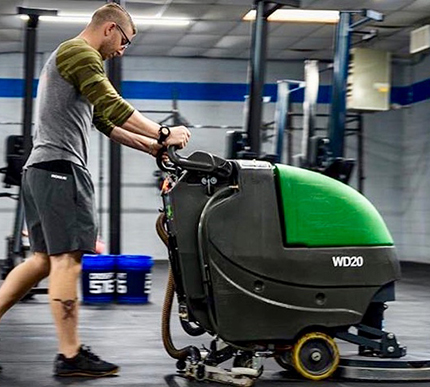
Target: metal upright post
{"x": 175, "y": 117}
{"x": 360, "y": 153}
{"x": 30, "y": 59}
{"x": 114, "y": 67}
{"x": 258, "y": 71}
{"x": 281, "y": 117}
{"x": 264, "y": 8}
{"x": 29, "y": 67}
{"x": 290, "y": 136}
{"x": 340, "y": 75}
{"x": 310, "y": 109}
{"x": 101, "y": 182}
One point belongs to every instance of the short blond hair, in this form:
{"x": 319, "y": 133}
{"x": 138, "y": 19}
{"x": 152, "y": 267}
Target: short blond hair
{"x": 113, "y": 12}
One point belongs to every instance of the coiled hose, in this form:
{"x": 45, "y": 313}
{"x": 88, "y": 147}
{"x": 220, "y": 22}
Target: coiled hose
{"x": 183, "y": 353}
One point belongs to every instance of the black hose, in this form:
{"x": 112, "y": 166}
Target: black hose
{"x": 222, "y": 194}
{"x": 182, "y": 353}
{"x": 192, "y": 331}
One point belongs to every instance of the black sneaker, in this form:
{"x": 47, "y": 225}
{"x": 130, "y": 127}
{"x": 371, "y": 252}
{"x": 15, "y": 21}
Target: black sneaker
{"x": 85, "y": 363}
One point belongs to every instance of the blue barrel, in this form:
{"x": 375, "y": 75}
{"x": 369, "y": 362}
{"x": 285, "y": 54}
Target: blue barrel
{"x": 133, "y": 278}
{"x": 98, "y": 278}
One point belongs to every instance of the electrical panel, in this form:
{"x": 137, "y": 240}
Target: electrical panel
{"x": 369, "y": 80}
{"x": 420, "y": 39}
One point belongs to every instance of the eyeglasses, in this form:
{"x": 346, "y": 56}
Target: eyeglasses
{"x": 126, "y": 41}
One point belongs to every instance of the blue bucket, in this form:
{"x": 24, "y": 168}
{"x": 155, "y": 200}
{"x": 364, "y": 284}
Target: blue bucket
{"x": 98, "y": 278}
{"x": 133, "y": 279}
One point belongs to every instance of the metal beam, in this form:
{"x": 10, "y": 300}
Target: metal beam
{"x": 29, "y": 66}
{"x": 258, "y": 72}
{"x": 281, "y": 117}
{"x": 310, "y": 109}
{"x": 264, "y": 8}
{"x": 340, "y": 75}
{"x": 30, "y": 60}
{"x": 115, "y": 76}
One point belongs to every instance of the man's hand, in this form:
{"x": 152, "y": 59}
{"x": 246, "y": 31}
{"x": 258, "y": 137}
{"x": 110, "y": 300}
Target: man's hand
{"x": 179, "y": 136}
{"x": 154, "y": 147}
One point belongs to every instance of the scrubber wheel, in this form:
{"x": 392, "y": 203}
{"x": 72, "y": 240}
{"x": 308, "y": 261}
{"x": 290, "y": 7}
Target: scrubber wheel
{"x": 284, "y": 360}
{"x": 315, "y": 356}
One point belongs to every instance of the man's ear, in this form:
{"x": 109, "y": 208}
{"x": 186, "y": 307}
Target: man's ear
{"x": 109, "y": 27}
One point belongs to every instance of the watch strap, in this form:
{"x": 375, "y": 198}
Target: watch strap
{"x": 161, "y": 135}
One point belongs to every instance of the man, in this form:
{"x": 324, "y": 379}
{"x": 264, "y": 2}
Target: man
{"x": 58, "y": 193}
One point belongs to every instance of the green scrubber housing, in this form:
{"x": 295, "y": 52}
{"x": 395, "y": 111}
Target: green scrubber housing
{"x": 321, "y": 211}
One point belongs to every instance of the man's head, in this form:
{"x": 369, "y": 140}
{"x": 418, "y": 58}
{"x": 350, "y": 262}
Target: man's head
{"x": 116, "y": 27}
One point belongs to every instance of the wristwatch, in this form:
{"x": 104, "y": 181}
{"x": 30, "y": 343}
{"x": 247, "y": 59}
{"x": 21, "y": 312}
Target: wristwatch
{"x": 163, "y": 133}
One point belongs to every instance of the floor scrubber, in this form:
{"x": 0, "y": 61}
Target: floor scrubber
{"x": 272, "y": 261}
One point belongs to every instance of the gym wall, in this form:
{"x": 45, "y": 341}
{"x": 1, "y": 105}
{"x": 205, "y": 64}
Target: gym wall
{"x": 414, "y": 164}
{"x": 385, "y": 181}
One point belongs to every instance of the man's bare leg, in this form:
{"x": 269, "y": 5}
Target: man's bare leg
{"x": 21, "y": 279}
{"x": 63, "y": 297}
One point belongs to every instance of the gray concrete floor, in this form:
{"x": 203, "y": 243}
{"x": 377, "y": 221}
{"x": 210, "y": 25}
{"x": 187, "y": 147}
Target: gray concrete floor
{"x": 130, "y": 336}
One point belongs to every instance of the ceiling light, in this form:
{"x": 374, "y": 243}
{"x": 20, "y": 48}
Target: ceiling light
{"x": 161, "y": 21}
{"x": 63, "y": 18}
{"x": 299, "y": 15}
{"x": 138, "y": 20}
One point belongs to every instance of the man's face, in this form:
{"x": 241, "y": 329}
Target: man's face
{"x": 117, "y": 41}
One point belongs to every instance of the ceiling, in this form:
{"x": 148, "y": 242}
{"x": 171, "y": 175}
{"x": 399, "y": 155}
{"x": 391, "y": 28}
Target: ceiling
{"x": 217, "y": 29}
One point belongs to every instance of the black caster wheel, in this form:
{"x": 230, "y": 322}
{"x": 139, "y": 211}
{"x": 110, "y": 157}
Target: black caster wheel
{"x": 315, "y": 356}
{"x": 181, "y": 365}
{"x": 284, "y": 360}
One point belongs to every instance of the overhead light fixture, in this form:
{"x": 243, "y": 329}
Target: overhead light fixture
{"x": 138, "y": 20}
{"x": 64, "y": 18}
{"x": 299, "y": 15}
{"x": 161, "y": 21}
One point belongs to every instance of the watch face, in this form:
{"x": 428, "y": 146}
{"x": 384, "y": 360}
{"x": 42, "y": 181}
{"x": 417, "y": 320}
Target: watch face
{"x": 165, "y": 131}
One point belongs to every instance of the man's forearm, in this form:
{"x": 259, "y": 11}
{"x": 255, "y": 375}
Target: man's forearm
{"x": 133, "y": 140}
{"x": 137, "y": 123}
{"x": 140, "y": 125}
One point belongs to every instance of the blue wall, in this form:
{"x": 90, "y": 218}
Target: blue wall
{"x": 222, "y": 92}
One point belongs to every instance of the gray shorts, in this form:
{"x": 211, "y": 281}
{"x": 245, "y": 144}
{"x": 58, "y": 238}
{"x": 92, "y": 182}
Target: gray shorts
{"x": 59, "y": 209}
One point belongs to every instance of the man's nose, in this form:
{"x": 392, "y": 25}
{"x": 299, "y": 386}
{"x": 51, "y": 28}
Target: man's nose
{"x": 119, "y": 52}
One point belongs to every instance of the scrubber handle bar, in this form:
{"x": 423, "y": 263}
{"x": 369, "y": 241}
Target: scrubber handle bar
{"x": 161, "y": 163}
{"x": 182, "y": 162}
{"x": 191, "y": 164}
{"x": 213, "y": 164}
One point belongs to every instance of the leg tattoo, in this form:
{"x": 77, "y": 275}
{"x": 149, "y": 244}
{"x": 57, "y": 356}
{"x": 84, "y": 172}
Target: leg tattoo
{"x": 68, "y": 307}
